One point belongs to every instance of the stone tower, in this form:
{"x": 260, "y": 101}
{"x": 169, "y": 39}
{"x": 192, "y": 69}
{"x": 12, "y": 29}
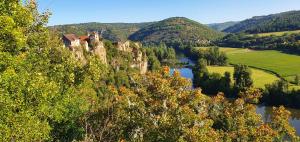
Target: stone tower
{"x": 94, "y": 37}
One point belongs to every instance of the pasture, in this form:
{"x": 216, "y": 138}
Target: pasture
{"x": 276, "y": 33}
{"x": 260, "y": 78}
{"x": 284, "y": 65}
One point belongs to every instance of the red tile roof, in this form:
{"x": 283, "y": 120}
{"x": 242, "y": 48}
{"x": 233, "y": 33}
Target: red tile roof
{"x": 84, "y": 38}
{"x": 71, "y": 37}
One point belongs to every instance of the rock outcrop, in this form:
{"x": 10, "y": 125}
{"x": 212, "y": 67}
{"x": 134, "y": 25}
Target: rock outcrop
{"x": 92, "y": 43}
{"x": 139, "y": 58}
{"x": 100, "y": 51}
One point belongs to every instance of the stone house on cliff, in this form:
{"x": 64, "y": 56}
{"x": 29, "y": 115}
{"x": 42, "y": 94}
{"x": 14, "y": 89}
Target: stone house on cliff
{"x": 71, "y": 40}
{"x": 90, "y": 43}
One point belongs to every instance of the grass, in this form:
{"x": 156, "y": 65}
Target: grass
{"x": 285, "y": 65}
{"x": 276, "y": 33}
{"x": 260, "y": 78}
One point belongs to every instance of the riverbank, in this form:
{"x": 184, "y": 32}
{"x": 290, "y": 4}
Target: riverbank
{"x": 264, "y": 111}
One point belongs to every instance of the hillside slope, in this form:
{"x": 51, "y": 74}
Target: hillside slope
{"x": 110, "y": 31}
{"x": 222, "y": 26}
{"x": 174, "y": 30}
{"x": 285, "y": 21}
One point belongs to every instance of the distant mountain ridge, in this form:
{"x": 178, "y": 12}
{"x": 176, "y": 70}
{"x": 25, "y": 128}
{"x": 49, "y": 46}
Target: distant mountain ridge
{"x": 222, "y": 26}
{"x": 183, "y": 29}
{"x": 175, "y": 29}
{"x": 110, "y": 31}
{"x": 285, "y": 21}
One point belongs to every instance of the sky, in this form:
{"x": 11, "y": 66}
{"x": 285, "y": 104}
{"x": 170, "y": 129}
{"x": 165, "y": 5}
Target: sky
{"x": 133, "y": 11}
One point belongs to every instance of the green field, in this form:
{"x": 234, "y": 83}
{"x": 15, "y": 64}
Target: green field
{"x": 285, "y": 65}
{"x": 260, "y": 78}
{"x": 282, "y": 64}
{"x": 276, "y": 33}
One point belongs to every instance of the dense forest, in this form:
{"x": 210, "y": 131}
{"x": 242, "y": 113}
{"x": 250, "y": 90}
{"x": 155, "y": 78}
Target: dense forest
{"x": 176, "y": 30}
{"x": 47, "y": 95}
{"x": 287, "y": 42}
{"x": 286, "y": 21}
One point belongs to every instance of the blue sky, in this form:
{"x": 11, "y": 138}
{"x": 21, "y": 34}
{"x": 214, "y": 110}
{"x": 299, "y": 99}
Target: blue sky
{"x": 203, "y": 11}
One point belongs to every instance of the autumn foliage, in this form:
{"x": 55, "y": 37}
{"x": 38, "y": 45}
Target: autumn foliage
{"x": 47, "y": 95}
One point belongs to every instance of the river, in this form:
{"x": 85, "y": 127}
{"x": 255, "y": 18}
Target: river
{"x": 264, "y": 111}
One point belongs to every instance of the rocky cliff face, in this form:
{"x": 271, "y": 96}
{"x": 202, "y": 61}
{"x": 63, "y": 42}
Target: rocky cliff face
{"x": 78, "y": 53}
{"x": 139, "y": 58}
{"x": 142, "y": 66}
{"x": 124, "y": 46}
{"x": 94, "y": 45}
{"x": 100, "y": 51}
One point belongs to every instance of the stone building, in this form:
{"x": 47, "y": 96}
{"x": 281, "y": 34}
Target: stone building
{"x": 71, "y": 40}
{"x": 90, "y": 43}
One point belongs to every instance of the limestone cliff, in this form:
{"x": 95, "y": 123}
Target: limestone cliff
{"x": 139, "y": 58}
{"x": 100, "y": 51}
{"x": 78, "y": 54}
{"x": 93, "y": 44}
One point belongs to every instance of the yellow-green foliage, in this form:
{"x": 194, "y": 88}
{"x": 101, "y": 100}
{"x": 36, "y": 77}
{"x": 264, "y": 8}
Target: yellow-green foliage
{"x": 276, "y": 33}
{"x": 259, "y": 77}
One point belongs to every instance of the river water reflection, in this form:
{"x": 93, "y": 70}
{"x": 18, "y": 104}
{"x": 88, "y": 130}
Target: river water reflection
{"x": 264, "y": 111}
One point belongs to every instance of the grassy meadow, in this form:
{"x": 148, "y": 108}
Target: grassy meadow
{"x": 276, "y": 33}
{"x": 260, "y": 78}
{"x": 285, "y": 65}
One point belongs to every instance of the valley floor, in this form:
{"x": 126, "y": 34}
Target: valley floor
{"x": 277, "y": 63}
{"x": 260, "y": 78}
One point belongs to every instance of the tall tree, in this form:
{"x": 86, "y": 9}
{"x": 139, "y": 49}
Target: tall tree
{"x": 44, "y": 90}
{"x": 200, "y": 72}
{"x": 297, "y": 80}
{"x": 242, "y": 77}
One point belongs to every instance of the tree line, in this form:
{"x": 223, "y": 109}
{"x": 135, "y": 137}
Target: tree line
{"x": 285, "y": 21}
{"x": 287, "y": 42}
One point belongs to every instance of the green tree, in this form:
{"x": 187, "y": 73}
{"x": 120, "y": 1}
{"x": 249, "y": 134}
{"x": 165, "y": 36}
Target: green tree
{"x": 276, "y": 93}
{"x": 297, "y": 80}
{"x": 200, "y": 72}
{"x": 242, "y": 77}
{"x": 215, "y": 57}
{"x": 42, "y": 98}
{"x": 225, "y": 83}
{"x": 153, "y": 63}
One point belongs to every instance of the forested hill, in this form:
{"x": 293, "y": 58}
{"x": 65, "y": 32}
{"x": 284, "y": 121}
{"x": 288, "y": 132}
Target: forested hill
{"x": 172, "y": 29}
{"x": 176, "y": 29}
{"x": 222, "y": 26}
{"x": 110, "y": 31}
{"x": 285, "y": 21}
